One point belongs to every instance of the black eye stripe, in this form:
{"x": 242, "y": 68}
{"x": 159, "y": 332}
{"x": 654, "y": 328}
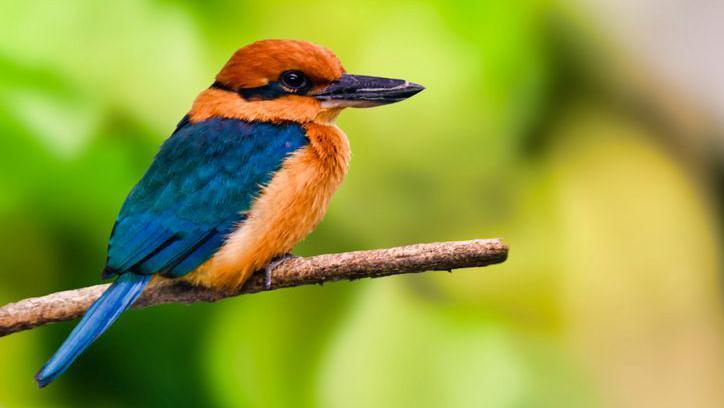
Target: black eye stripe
{"x": 266, "y": 92}
{"x": 223, "y": 87}
{"x": 290, "y": 82}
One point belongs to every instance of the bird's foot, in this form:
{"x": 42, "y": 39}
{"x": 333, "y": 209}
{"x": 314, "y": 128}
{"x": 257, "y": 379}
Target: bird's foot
{"x": 273, "y": 264}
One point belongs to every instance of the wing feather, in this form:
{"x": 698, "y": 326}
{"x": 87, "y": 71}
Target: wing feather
{"x": 195, "y": 193}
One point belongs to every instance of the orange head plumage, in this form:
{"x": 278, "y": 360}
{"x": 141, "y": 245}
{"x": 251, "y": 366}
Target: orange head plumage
{"x": 286, "y": 80}
{"x": 263, "y": 62}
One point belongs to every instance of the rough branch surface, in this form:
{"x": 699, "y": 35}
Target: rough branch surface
{"x": 70, "y": 304}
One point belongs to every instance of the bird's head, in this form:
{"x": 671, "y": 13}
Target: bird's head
{"x": 285, "y": 80}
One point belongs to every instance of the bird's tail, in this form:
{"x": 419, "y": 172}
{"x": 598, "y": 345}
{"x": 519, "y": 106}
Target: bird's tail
{"x": 104, "y": 311}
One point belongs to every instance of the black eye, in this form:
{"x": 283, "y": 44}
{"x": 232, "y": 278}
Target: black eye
{"x": 293, "y": 79}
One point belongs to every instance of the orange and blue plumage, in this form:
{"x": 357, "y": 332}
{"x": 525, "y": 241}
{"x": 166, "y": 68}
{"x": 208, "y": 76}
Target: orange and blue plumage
{"x": 246, "y": 175}
{"x": 197, "y": 190}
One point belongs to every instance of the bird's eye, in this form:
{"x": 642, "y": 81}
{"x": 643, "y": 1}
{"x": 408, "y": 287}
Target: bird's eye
{"x": 294, "y": 80}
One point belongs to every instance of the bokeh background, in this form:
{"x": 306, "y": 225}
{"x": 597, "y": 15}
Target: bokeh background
{"x": 587, "y": 135}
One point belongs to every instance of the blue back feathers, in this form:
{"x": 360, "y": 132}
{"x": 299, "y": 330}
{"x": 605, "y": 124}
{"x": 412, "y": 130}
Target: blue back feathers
{"x": 195, "y": 192}
{"x": 203, "y": 179}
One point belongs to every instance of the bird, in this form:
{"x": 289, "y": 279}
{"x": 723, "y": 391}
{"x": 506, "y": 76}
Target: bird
{"x": 247, "y": 173}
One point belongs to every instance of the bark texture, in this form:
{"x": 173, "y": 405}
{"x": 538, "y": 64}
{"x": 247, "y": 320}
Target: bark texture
{"x": 71, "y": 304}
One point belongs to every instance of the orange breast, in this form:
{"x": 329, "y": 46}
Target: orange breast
{"x": 288, "y": 209}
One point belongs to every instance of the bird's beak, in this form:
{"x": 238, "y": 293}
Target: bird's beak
{"x": 360, "y": 91}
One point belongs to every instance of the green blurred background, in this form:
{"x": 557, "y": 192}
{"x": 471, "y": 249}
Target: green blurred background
{"x": 584, "y": 134}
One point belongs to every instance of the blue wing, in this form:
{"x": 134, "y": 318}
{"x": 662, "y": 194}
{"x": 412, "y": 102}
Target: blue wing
{"x": 195, "y": 193}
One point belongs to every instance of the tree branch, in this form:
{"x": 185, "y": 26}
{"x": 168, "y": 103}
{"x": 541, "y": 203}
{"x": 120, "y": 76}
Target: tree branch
{"x": 70, "y": 304}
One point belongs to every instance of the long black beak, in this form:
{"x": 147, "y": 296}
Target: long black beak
{"x": 362, "y": 91}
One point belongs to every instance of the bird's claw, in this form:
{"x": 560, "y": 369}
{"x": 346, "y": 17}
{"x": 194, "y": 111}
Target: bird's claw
{"x": 273, "y": 264}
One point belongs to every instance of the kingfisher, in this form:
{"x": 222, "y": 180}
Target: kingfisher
{"x": 248, "y": 173}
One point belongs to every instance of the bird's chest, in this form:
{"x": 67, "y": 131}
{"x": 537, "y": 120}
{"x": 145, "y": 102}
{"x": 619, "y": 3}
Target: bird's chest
{"x": 286, "y": 211}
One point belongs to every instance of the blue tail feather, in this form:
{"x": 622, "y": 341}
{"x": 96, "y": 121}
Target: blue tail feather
{"x": 117, "y": 298}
